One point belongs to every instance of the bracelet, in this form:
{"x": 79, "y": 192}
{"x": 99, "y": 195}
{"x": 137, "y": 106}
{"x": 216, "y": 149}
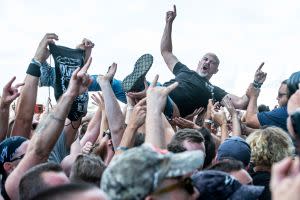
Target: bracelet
{"x": 256, "y": 84}
{"x": 120, "y": 148}
{"x": 34, "y": 68}
{"x": 34, "y": 61}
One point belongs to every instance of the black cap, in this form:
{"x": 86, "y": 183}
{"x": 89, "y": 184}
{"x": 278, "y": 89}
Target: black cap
{"x": 8, "y": 148}
{"x": 216, "y": 185}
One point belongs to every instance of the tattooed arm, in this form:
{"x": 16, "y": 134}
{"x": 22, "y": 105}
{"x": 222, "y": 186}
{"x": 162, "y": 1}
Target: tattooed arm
{"x": 48, "y": 131}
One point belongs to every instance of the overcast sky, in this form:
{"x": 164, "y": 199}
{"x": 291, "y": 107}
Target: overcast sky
{"x": 242, "y": 33}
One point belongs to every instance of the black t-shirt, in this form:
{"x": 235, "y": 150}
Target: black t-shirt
{"x": 262, "y": 178}
{"x": 193, "y": 91}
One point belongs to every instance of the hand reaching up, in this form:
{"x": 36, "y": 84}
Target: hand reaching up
{"x": 80, "y": 80}
{"x": 10, "y": 93}
{"x": 86, "y": 45}
{"x": 260, "y": 76}
{"x": 157, "y": 95}
{"x": 98, "y": 100}
{"x": 42, "y": 53}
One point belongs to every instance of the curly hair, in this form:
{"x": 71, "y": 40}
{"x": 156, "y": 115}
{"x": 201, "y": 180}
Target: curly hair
{"x": 269, "y": 145}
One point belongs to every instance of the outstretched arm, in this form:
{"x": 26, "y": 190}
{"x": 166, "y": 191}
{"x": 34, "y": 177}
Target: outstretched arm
{"x": 115, "y": 118}
{"x": 251, "y": 114}
{"x": 9, "y": 94}
{"x": 156, "y": 101}
{"x": 48, "y": 130}
{"x": 25, "y": 105}
{"x": 93, "y": 128}
{"x": 166, "y": 47}
{"x": 242, "y": 102}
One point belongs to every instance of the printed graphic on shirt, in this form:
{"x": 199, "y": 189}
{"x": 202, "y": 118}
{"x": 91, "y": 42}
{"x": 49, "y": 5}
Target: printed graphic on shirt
{"x": 66, "y": 61}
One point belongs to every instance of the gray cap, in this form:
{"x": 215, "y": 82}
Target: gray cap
{"x": 138, "y": 171}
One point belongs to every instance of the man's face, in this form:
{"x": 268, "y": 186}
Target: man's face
{"x": 282, "y": 96}
{"x": 17, "y": 157}
{"x": 207, "y": 66}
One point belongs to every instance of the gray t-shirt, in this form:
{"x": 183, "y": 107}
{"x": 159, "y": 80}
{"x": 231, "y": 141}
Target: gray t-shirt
{"x": 60, "y": 150}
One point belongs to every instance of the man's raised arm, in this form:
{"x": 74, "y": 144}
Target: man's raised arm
{"x": 27, "y": 100}
{"x": 48, "y": 131}
{"x": 9, "y": 94}
{"x": 242, "y": 102}
{"x": 166, "y": 47}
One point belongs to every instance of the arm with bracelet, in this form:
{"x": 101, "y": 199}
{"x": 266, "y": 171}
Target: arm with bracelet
{"x": 48, "y": 131}
{"x": 27, "y": 100}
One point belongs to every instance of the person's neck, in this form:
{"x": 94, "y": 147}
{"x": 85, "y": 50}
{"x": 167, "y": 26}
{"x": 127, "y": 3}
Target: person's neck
{"x": 262, "y": 169}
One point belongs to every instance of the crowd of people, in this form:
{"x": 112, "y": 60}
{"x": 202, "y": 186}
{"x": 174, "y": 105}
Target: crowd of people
{"x": 182, "y": 139}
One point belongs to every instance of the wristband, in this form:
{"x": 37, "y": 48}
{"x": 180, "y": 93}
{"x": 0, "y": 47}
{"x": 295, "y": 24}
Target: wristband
{"x": 256, "y": 84}
{"x": 34, "y": 68}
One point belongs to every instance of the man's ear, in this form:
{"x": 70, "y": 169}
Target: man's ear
{"x": 8, "y": 167}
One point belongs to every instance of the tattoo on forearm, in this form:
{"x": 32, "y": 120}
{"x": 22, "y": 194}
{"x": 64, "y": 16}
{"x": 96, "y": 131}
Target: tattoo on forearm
{"x": 45, "y": 123}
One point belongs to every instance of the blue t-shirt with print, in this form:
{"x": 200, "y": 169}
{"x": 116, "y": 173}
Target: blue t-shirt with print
{"x": 276, "y": 117}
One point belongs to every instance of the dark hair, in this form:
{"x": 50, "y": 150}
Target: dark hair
{"x": 139, "y": 139}
{"x": 191, "y": 135}
{"x": 32, "y": 182}
{"x": 87, "y": 169}
{"x": 210, "y": 146}
{"x": 62, "y": 191}
{"x": 228, "y": 166}
{"x": 263, "y": 108}
{"x": 293, "y": 82}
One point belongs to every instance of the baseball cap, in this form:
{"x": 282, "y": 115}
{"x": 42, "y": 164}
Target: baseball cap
{"x": 235, "y": 147}
{"x": 138, "y": 171}
{"x": 8, "y": 148}
{"x": 216, "y": 185}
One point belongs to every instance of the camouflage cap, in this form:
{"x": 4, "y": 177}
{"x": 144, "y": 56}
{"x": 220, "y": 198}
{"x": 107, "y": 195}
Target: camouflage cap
{"x": 138, "y": 171}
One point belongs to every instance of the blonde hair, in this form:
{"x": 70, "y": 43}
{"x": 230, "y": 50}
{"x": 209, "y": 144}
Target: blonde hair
{"x": 269, "y": 145}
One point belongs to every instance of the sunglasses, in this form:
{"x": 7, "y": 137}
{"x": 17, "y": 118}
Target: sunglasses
{"x": 281, "y": 94}
{"x": 17, "y": 158}
{"x": 186, "y": 184}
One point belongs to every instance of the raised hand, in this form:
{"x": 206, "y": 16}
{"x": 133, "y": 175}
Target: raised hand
{"x": 170, "y": 15}
{"x": 219, "y": 116}
{"x": 110, "y": 73}
{"x": 260, "y": 76}
{"x": 138, "y": 114}
{"x": 10, "y": 93}
{"x": 157, "y": 95}
{"x": 195, "y": 113}
{"x": 86, "y": 45}
{"x": 80, "y": 80}
{"x": 86, "y": 149}
{"x": 98, "y": 100}
{"x": 229, "y": 106}
{"x": 139, "y": 95}
{"x": 285, "y": 181}
{"x": 252, "y": 91}
{"x": 42, "y": 52}
{"x": 184, "y": 123}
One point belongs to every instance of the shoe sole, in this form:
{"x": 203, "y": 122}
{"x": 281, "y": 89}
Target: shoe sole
{"x": 133, "y": 81}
